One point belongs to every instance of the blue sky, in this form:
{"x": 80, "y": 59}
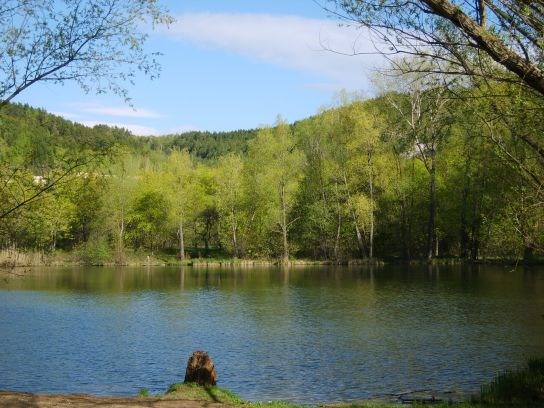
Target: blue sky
{"x": 228, "y": 65}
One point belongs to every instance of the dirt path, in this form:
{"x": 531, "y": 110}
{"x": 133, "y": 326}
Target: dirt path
{"x": 28, "y": 400}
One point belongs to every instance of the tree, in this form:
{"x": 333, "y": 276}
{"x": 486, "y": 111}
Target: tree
{"x": 318, "y": 229}
{"x": 488, "y": 49}
{"x": 97, "y": 43}
{"x": 148, "y": 220}
{"x": 420, "y": 106}
{"x": 186, "y": 193}
{"x": 275, "y": 164}
{"x": 116, "y": 209}
{"x": 230, "y": 200}
{"x": 458, "y": 37}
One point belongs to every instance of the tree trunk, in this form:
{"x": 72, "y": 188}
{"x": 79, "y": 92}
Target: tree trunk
{"x": 206, "y": 245}
{"x": 528, "y": 72}
{"x": 338, "y": 226}
{"x": 181, "y": 242}
{"x": 337, "y": 240}
{"x": 475, "y": 240}
{"x": 476, "y": 225}
{"x": 121, "y": 244}
{"x": 54, "y": 240}
{"x": 463, "y": 229}
{"x": 431, "y": 235}
{"x": 360, "y": 240}
{"x": 371, "y": 188}
{"x": 482, "y": 15}
{"x": 283, "y": 226}
{"x": 234, "y": 240}
{"x": 324, "y": 236}
{"x": 528, "y": 252}
{"x": 404, "y": 231}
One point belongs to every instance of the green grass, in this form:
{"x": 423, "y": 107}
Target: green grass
{"x": 521, "y": 388}
{"x": 438, "y": 405}
{"x": 274, "y": 404}
{"x": 216, "y": 394}
{"x": 197, "y": 393}
{"x": 524, "y": 386}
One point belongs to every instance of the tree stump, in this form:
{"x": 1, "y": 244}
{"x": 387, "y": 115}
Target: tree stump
{"x": 200, "y": 369}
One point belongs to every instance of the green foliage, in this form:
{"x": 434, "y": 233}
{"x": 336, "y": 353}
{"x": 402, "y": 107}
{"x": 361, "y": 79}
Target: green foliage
{"x": 97, "y": 44}
{"x": 95, "y": 251}
{"x": 143, "y": 392}
{"x": 148, "y": 219}
{"x": 274, "y": 166}
{"x": 230, "y": 201}
{"x": 350, "y": 182}
{"x": 192, "y": 391}
{"x": 495, "y": 42}
{"x": 202, "y": 145}
{"x": 525, "y": 386}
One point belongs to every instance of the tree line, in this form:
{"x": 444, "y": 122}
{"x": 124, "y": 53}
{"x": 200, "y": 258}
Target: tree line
{"x": 419, "y": 171}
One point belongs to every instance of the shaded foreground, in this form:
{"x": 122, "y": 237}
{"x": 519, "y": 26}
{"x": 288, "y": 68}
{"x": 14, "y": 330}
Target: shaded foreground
{"x": 511, "y": 388}
{"x": 27, "y": 400}
{"x": 21, "y": 399}
{"x": 184, "y": 396}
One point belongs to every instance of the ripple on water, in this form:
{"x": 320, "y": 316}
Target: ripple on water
{"x": 315, "y": 334}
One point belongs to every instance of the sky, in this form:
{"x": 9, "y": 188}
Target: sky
{"x": 229, "y": 65}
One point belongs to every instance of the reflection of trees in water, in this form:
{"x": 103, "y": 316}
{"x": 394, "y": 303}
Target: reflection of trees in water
{"x": 482, "y": 280}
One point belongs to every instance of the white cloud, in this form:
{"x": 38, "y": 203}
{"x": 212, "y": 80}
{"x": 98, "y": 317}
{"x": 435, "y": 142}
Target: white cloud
{"x": 138, "y": 130}
{"x": 181, "y": 129}
{"x": 291, "y": 42}
{"x": 67, "y": 115}
{"x": 121, "y": 111}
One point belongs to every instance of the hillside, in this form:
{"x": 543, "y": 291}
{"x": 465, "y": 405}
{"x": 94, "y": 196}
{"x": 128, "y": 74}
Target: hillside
{"x": 357, "y": 181}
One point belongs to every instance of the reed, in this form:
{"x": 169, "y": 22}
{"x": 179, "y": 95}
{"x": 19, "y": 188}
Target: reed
{"x": 12, "y": 257}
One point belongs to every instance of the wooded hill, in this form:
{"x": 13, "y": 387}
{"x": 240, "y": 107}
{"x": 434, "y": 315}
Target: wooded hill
{"x": 424, "y": 173}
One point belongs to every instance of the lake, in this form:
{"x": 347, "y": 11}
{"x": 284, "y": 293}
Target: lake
{"x": 303, "y": 334}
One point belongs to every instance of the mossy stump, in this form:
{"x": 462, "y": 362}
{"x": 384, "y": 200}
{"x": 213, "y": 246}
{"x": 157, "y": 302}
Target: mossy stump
{"x": 200, "y": 370}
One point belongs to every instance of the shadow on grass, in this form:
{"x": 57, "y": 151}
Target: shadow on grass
{"x": 193, "y": 391}
{"x": 209, "y": 391}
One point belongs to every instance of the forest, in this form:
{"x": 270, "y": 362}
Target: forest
{"x": 417, "y": 171}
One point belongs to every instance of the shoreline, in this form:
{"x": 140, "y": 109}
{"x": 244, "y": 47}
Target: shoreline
{"x": 16, "y": 259}
{"x": 14, "y": 399}
{"x": 20, "y": 399}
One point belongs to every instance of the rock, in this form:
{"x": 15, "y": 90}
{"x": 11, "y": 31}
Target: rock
{"x": 200, "y": 369}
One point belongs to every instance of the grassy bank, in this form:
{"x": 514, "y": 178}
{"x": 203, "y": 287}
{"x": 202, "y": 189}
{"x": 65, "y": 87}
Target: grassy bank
{"x": 16, "y": 258}
{"x": 219, "y": 395}
{"x": 517, "y": 388}
{"x": 11, "y": 258}
{"x": 525, "y": 386}
{"x": 521, "y": 388}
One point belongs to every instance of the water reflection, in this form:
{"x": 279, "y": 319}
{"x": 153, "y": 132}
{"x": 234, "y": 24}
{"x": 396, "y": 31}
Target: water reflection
{"x": 303, "y": 334}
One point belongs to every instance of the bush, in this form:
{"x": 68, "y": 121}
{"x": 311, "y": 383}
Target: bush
{"x": 96, "y": 251}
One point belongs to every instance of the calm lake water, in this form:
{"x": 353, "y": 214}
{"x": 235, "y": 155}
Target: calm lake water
{"x": 302, "y": 334}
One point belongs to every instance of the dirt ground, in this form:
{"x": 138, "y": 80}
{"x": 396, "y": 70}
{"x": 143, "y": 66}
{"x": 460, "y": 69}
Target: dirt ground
{"x": 28, "y": 400}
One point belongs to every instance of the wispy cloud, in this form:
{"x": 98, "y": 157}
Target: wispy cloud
{"x": 138, "y": 130}
{"x": 181, "y": 129}
{"x": 304, "y": 44}
{"x": 126, "y": 112}
{"x": 67, "y": 115}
